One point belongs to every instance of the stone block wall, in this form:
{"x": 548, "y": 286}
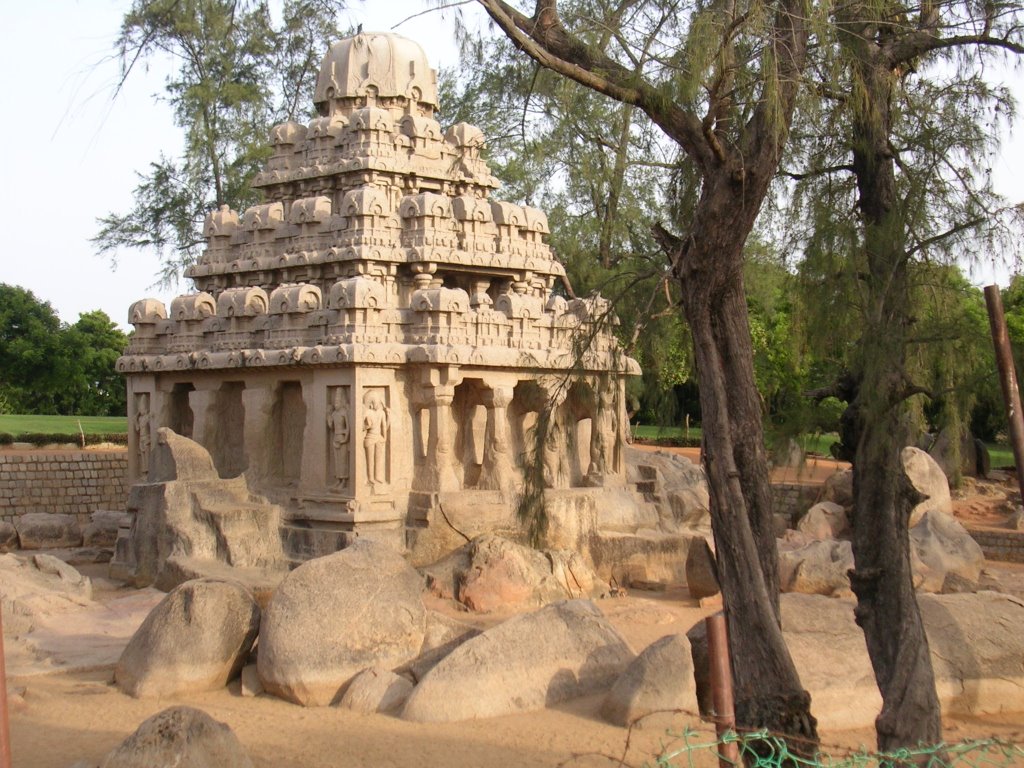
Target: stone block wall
{"x": 793, "y": 499}
{"x": 65, "y": 482}
{"x": 1006, "y": 546}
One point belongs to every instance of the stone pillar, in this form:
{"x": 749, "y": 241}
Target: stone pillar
{"x": 440, "y": 442}
{"x": 556, "y": 462}
{"x": 143, "y": 410}
{"x": 498, "y": 472}
{"x": 258, "y": 403}
{"x": 439, "y": 392}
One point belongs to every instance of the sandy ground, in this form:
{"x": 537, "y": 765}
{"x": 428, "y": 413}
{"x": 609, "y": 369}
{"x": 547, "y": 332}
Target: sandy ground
{"x": 63, "y": 717}
{"x": 67, "y": 708}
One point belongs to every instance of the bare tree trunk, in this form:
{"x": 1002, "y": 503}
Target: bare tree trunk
{"x": 768, "y": 690}
{"x": 887, "y": 609}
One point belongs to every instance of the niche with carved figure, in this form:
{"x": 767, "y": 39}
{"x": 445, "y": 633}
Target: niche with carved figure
{"x": 339, "y": 437}
{"x": 375, "y": 435}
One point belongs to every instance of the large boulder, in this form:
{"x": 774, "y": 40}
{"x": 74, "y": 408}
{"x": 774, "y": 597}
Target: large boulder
{"x": 977, "y": 645}
{"x": 189, "y": 522}
{"x": 38, "y": 586}
{"x": 8, "y": 537}
{"x": 491, "y": 573}
{"x": 676, "y": 486}
{"x": 943, "y": 547}
{"x": 659, "y": 679}
{"x": 183, "y": 737}
{"x": 334, "y": 616}
{"x": 563, "y": 651}
{"x": 928, "y": 479}
{"x": 701, "y": 570}
{"x": 825, "y": 520}
{"x": 101, "y": 531}
{"x": 376, "y": 690}
{"x": 956, "y": 454}
{"x": 195, "y": 639}
{"x": 175, "y": 457}
{"x": 816, "y": 568}
{"x": 976, "y": 642}
{"x": 838, "y": 488}
{"x": 441, "y": 636}
{"x": 42, "y": 530}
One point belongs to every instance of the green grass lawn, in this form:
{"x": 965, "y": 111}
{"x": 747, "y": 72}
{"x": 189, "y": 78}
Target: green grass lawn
{"x": 66, "y": 425}
{"x": 653, "y": 433}
{"x": 816, "y": 443}
{"x": 1000, "y": 455}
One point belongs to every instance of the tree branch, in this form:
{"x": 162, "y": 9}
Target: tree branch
{"x": 955, "y": 229}
{"x": 543, "y": 38}
{"x": 816, "y": 172}
{"x": 909, "y": 47}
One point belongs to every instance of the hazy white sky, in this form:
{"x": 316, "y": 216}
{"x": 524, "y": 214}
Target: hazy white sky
{"x": 72, "y": 153}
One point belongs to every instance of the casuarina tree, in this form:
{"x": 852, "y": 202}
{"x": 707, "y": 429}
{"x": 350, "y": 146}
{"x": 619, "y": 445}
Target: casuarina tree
{"x": 721, "y": 81}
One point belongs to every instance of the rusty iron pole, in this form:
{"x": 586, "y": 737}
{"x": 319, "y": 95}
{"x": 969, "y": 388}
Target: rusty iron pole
{"x": 1007, "y": 378}
{"x": 721, "y": 688}
{"x": 5, "y": 730}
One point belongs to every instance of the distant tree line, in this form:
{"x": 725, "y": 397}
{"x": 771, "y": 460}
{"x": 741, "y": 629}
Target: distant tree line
{"x": 51, "y": 367}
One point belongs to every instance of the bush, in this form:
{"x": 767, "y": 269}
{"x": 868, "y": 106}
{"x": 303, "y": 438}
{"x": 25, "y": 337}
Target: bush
{"x": 49, "y": 438}
{"x": 670, "y": 442}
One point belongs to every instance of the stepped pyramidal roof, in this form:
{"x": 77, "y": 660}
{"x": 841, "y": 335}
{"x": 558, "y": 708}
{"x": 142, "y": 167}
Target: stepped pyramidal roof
{"x": 378, "y": 227}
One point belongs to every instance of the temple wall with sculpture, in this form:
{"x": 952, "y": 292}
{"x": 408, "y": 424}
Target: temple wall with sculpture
{"x": 380, "y": 333}
{"x": 350, "y": 444}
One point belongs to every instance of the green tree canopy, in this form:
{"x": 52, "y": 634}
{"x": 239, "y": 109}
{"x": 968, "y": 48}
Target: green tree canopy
{"x": 94, "y": 387}
{"x": 32, "y": 364}
{"x": 48, "y": 367}
{"x": 237, "y": 73}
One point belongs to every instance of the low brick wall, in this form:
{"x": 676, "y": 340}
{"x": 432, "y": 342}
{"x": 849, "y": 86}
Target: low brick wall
{"x": 1007, "y": 546}
{"x": 793, "y": 499}
{"x": 65, "y": 482}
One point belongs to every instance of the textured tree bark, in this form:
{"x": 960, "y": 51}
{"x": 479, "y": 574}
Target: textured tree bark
{"x": 768, "y": 690}
{"x": 887, "y": 609}
{"x": 736, "y": 161}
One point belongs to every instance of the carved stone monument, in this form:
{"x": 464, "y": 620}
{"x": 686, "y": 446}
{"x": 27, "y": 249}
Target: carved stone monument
{"x": 374, "y": 344}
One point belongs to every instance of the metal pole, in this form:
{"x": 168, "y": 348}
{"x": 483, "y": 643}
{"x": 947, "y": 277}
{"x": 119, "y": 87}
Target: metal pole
{"x": 721, "y": 688}
{"x": 5, "y": 731}
{"x": 1007, "y": 378}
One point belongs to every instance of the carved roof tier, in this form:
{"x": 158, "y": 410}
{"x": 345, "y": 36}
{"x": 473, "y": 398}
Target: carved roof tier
{"x": 377, "y": 227}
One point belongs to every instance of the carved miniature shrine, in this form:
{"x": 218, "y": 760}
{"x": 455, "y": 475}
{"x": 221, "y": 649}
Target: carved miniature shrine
{"x": 373, "y": 345}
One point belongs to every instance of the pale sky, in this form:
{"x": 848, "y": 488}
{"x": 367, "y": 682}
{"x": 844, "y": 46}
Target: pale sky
{"x": 72, "y": 153}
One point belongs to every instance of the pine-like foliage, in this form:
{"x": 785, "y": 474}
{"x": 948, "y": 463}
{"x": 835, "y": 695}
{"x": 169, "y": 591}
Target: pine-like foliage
{"x": 237, "y": 72}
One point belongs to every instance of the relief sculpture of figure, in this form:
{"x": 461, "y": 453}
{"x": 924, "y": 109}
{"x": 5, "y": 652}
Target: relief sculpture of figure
{"x": 144, "y": 428}
{"x": 602, "y": 437}
{"x": 375, "y": 437}
{"x": 337, "y": 423}
{"x": 552, "y": 457}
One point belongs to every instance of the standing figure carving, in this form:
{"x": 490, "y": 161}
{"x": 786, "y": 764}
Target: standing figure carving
{"x": 375, "y": 438}
{"x": 602, "y": 435}
{"x": 144, "y": 429}
{"x": 338, "y": 424}
{"x": 553, "y": 447}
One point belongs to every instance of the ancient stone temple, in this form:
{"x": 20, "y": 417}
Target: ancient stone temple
{"x": 374, "y": 344}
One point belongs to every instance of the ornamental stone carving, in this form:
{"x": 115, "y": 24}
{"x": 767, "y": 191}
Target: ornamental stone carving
{"x": 381, "y": 337}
